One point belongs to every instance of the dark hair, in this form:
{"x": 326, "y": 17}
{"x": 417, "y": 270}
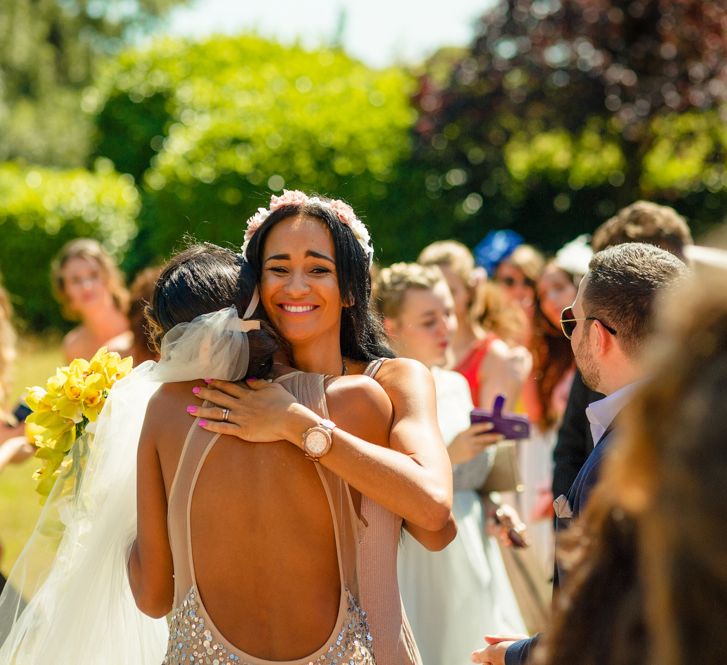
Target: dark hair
{"x": 206, "y": 278}
{"x": 603, "y": 589}
{"x": 646, "y": 222}
{"x": 623, "y": 283}
{"x": 362, "y": 335}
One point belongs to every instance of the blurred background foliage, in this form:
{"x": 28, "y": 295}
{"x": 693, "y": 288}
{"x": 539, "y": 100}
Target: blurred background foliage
{"x": 557, "y": 114}
{"x": 40, "y": 210}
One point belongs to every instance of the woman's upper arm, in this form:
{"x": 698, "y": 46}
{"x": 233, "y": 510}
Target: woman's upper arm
{"x": 151, "y": 570}
{"x": 415, "y": 429}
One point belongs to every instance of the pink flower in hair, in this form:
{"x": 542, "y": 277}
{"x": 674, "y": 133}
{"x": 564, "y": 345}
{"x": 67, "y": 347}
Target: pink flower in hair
{"x": 255, "y": 222}
{"x": 289, "y": 197}
{"x": 344, "y": 212}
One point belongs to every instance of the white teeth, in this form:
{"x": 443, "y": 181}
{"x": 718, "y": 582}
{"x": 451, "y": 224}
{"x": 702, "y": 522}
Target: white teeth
{"x": 298, "y": 308}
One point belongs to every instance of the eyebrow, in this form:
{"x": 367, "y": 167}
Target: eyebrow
{"x": 310, "y": 252}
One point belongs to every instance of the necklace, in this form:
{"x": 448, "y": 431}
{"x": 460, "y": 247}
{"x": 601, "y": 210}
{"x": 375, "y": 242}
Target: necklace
{"x": 344, "y": 367}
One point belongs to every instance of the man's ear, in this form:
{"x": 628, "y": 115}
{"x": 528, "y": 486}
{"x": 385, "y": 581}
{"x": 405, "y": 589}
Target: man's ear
{"x": 603, "y": 339}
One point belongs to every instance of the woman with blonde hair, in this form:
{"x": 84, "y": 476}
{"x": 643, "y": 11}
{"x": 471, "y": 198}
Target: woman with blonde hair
{"x": 486, "y": 325}
{"x": 452, "y": 595}
{"x": 90, "y": 288}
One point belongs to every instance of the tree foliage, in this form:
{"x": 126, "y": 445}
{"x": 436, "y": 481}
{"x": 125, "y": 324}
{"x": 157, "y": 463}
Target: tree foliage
{"x": 210, "y": 129}
{"x": 48, "y": 50}
{"x": 565, "y": 109}
{"x": 41, "y": 209}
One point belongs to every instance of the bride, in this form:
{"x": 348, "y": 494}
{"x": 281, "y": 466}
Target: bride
{"x": 234, "y": 540}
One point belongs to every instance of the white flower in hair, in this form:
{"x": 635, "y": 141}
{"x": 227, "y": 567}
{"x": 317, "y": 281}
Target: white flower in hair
{"x": 289, "y": 197}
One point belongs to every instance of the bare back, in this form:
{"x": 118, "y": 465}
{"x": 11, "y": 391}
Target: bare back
{"x": 263, "y": 541}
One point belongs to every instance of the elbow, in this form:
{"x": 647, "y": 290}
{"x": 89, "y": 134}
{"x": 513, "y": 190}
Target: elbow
{"x": 153, "y": 604}
{"x": 444, "y": 536}
{"x": 439, "y": 514}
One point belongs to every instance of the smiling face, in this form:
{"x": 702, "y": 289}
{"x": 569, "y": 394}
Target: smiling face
{"x": 425, "y": 324}
{"x": 84, "y": 285}
{"x": 299, "y": 283}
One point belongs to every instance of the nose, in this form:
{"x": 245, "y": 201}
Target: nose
{"x": 297, "y": 284}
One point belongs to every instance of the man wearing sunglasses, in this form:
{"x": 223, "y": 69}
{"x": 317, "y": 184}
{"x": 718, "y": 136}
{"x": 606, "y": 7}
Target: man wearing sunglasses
{"x": 607, "y": 324}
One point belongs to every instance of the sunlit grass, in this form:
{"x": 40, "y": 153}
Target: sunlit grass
{"x": 19, "y": 504}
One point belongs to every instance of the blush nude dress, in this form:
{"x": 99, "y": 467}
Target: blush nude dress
{"x": 394, "y": 641}
{"x": 193, "y": 636}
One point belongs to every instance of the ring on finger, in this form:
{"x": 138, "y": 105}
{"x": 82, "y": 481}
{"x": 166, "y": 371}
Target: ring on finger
{"x": 225, "y": 415}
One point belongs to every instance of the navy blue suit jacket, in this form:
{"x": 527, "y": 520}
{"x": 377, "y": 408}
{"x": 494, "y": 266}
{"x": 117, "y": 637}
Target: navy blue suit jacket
{"x": 577, "y": 497}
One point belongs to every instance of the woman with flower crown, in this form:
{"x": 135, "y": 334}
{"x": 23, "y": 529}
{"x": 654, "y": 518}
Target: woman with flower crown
{"x": 312, "y": 259}
{"x": 253, "y": 549}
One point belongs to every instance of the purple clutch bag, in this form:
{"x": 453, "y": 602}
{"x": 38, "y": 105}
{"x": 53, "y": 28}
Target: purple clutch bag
{"x": 510, "y": 426}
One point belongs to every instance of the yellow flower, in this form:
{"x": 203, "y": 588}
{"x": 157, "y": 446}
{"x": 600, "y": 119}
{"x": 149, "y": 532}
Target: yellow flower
{"x": 93, "y": 396}
{"x": 38, "y": 399}
{"x": 75, "y": 378}
{"x": 72, "y": 397}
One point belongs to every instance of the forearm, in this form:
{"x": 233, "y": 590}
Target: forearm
{"x": 434, "y": 540}
{"x": 420, "y": 493}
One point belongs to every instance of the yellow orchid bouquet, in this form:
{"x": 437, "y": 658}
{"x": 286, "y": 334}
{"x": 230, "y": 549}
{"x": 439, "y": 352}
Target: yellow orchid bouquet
{"x": 72, "y": 397}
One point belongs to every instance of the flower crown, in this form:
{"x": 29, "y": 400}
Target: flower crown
{"x": 294, "y": 197}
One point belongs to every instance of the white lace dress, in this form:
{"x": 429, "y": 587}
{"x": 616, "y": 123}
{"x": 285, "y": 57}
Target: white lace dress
{"x": 456, "y": 596}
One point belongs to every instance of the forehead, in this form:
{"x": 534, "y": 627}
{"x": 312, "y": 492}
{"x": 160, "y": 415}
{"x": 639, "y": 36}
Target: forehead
{"x": 298, "y": 235}
{"x": 418, "y": 300}
{"x": 79, "y": 264}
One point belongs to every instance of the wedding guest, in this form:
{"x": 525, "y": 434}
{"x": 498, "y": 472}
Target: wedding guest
{"x": 312, "y": 256}
{"x": 608, "y": 324}
{"x": 449, "y": 595}
{"x": 90, "y": 288}
{"x": 486, "y": 325}
{"x": 641, "y": 221}
{"x": 648, "y": 562}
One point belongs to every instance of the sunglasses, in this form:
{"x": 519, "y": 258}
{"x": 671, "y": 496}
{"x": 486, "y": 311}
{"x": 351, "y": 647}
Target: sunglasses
{"x": 568, "y": 322}
{"x": 510, "y": 282}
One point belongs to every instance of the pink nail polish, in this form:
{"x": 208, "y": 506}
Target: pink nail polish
{"x": 196, "y": 390}
{"x": 191, "y": 409}
{"x": 203, "y": 423}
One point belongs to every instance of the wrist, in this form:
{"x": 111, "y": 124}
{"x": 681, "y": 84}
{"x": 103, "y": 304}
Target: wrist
{"x": 300, "y": 419}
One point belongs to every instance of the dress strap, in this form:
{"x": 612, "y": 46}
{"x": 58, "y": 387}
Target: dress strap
{"x": 197, "y": 445}
{"x": 374, "y": 367}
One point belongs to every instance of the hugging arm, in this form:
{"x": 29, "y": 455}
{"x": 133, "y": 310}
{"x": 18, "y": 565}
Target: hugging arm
{"x": 411, "y": 478}
{"x": 151, "y": 570}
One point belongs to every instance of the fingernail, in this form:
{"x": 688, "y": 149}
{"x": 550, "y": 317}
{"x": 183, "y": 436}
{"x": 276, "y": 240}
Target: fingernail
{"x": 208, "y": 380}
{"x": 196, "y": 390}
{"x": 203, "y": 423}
{"x": 252, "y": 378}
{"x": 191, "y": 409}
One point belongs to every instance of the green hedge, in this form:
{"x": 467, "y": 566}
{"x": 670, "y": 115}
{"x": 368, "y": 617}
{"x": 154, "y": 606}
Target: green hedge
{"x": 41, "y": 209}
{"x": 211, "y": 129}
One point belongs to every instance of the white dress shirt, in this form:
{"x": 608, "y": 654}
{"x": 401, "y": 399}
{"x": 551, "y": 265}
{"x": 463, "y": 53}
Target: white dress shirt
{"x": 602, "y": 412}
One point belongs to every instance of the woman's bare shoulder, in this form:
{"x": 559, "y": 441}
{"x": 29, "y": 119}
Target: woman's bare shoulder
{"x": 360, "y": 405}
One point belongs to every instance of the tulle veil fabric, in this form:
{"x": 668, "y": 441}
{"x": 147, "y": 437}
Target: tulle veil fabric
{"x": 68, "y": 599}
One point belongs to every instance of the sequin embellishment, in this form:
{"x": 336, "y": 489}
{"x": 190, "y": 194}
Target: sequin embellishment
{"x": 191, "y": 641}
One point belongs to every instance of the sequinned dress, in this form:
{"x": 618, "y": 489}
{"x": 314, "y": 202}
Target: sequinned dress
{"x": 193, "y": 637}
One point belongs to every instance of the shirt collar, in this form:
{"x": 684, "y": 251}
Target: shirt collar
{"x": 602, "y": 412}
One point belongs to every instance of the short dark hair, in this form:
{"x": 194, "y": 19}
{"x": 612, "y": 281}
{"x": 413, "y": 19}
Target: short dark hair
{"x": 205, "y": 278}
{"x": 362, "y": 335}
{"x": 647, "y": 222}
{"x": 623, "y": 283}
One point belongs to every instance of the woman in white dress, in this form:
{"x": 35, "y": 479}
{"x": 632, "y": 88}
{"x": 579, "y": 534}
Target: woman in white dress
{"x": 455, "y": 596}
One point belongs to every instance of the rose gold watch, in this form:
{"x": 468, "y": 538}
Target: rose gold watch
{"x": 317, "y": 440}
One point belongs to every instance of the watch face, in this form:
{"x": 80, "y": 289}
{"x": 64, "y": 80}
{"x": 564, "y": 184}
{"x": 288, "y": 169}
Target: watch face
{"x": 316, "y": 443}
